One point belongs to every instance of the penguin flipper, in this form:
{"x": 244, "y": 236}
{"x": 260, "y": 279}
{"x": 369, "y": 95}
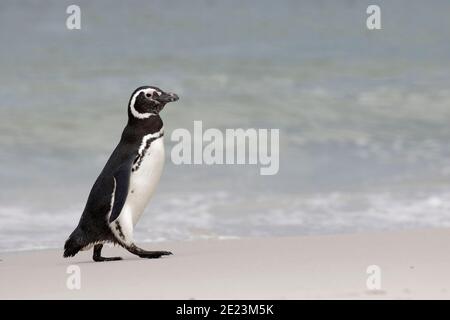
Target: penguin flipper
{"x": 122, "y": 183}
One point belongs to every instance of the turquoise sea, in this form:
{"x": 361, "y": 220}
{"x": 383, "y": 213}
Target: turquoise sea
{"x": 363, "y": 115}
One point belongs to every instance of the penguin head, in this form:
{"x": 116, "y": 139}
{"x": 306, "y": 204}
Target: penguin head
{"x": 148, "y": 101}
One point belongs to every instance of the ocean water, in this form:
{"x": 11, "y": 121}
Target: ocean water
{"x": 363, "y": 115}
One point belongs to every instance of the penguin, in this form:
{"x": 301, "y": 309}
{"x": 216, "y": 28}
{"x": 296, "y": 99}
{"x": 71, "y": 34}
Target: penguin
{"x": 127, "y": 182}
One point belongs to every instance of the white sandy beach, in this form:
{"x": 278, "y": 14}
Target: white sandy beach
{"x": 414, "y": 265}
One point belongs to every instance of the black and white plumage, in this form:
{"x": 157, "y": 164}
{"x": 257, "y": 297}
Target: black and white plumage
{"x": 126, "y": 183}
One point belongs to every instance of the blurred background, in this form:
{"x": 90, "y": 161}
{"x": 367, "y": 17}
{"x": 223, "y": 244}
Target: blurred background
{"x": 363, "y": 115}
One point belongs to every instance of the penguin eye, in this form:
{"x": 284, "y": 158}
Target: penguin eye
{"x": 148, "y": 95}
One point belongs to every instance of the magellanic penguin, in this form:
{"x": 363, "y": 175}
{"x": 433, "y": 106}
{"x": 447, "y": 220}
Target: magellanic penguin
{"x": 126, "y": 183}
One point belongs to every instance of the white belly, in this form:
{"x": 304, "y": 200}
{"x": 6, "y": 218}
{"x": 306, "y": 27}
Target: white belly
{"x": 144, "y": 180}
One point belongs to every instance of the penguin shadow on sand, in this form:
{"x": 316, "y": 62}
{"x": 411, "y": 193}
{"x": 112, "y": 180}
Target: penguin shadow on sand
{"x": 123, "y": 259}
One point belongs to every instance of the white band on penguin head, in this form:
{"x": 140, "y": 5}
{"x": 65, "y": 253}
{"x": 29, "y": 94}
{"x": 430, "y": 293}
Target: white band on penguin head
{"x": 136, "y": 113}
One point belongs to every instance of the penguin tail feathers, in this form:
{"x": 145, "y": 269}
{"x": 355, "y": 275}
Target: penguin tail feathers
{"x": 74, "y": 244}
{"x": 70, "y": 248}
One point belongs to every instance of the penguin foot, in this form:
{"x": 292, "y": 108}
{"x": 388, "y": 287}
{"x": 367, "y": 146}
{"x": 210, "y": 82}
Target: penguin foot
{"x": 97, "y": 256}
{"x": 154, "y": 254}
{"x": 101, "y": 259}
{"x": 147, "y": 254}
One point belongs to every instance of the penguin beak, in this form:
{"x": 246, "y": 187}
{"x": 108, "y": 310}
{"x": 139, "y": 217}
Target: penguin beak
{"x": 167, "y": 97}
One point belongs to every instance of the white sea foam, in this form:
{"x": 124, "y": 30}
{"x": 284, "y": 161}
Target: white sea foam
{"x": 192, "y": 216}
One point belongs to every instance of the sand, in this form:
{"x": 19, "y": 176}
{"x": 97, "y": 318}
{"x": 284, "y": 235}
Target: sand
{"x": 413, "y": 265}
